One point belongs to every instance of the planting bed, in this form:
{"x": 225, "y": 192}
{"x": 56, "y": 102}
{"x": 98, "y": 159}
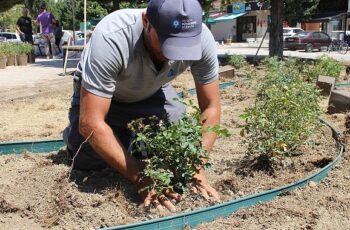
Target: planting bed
{"x": 35, "y": 191}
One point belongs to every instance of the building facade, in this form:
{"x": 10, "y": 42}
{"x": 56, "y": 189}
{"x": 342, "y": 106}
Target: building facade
{"x": 241, "y": 22}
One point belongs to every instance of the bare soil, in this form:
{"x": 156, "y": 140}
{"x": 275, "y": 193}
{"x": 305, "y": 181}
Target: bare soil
{"x": 37, "y": 191}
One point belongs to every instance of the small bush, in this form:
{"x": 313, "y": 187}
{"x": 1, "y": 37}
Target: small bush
{"x": 174, "y": 150}
{"x": 237, "y": 61}
{"x": 324, "y": 66}
{"x": 284, "y": 115}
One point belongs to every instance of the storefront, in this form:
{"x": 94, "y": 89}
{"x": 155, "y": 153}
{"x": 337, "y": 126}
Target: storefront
{"x": 326, "y": 22}
{"x": 241, "y": 22}
{"x": 253, "y": 24}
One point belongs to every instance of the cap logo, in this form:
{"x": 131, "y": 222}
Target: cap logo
{"x": 184, "y": 24}
{"x": 188, "y": 24}
{"x": 176, "y": 24}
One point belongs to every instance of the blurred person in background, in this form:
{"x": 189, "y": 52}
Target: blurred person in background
{"x": 46, "y": 19}
{"x": 24, "y": 27}
{"x": 58, "y": 34}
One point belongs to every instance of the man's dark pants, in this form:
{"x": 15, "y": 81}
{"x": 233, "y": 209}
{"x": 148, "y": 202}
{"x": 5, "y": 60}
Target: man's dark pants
{"x": 119, "y": 115}
{"x": 26, "y": 38}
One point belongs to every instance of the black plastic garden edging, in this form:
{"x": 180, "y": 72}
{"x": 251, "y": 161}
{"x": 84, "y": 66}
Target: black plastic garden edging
{"x": 342, "y": 84}
{"x": 196, "y": 217}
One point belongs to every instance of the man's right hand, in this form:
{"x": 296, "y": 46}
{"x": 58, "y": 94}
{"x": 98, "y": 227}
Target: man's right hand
{"x": 158, "y": 201}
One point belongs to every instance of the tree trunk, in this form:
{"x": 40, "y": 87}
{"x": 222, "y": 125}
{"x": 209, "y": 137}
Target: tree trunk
{"x": 276, "y": 28}
{"x": 115, "y": 5}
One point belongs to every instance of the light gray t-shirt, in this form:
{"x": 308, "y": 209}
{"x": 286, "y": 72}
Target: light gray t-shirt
{"x": 115, "y": 64}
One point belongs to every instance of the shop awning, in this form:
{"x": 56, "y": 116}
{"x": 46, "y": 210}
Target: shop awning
{"x": 325, "y": 17}
{"x": 228, "y": 17}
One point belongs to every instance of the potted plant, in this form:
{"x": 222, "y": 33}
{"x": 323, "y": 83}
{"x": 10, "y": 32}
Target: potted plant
{"x": 23, "y": 50}
{"x": 3, "y": 59}
{"x": 31, "y": 54}
{"x": 11, "y": 54}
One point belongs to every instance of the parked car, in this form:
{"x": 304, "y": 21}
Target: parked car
{"x": 11, "y": 36}
{"x": 308, "y": 41}
{"x": 69, "y": 34}
{"x": 290, "y": 31}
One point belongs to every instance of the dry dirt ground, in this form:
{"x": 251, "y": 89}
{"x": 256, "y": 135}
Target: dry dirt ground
{"x": 35, "y": 192}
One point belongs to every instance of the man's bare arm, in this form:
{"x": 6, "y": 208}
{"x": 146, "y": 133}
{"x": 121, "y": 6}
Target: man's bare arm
{"x": 93, "y": 110}
{"x": 209, "y": 102}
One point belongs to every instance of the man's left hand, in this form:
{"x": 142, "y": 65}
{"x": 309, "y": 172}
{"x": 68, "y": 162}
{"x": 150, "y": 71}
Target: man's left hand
{"x": 201, "y": 184}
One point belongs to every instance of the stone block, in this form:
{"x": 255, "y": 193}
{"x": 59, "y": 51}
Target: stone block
{"x": 339, "y": 102}
{"x": 325, "y": 84}
{"x": 227, "y": 71}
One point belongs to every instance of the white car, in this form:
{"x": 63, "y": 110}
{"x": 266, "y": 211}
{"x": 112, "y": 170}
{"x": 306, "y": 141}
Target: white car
{"x": 69, "y": 34}
{"x": 10, "y": 36}
{"x": 290, "y": 31}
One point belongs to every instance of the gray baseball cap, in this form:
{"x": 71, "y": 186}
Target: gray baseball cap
{"x": 179, "y": 25}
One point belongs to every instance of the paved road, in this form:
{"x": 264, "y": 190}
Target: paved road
{"x": 251, "y": 49}
{"x": 44, "y": 75}
{"x": 40, "y": 77}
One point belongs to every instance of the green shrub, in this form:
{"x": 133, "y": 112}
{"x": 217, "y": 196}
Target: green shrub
{"x": 7, "y": 48}
{"x": 22, "y": 48}
{"x": 3, "y": 50}
{"x": 26, "y": 48}
{"x": 237, "y": 61}
{"x": 324, "y": 66}
{"x": 174, "y": 150}
{"x": 284, "y": 115}
{"x": 271, "y": 62}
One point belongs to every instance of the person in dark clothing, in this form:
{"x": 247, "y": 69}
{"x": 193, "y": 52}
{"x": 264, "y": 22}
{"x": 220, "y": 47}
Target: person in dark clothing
{"x": 24, "y": 27}
{"x": 58, "y": 34}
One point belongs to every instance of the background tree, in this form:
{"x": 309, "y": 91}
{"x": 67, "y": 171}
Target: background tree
{"x": 296, "y": 11}
{"x": 276, "y": 28}
{"x": 8, "y": 4}
{"x": 8, "y": 19}
{"x": 332, "y": 6}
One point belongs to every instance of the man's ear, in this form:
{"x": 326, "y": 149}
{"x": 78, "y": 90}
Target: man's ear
{"x": 145, "y": 21}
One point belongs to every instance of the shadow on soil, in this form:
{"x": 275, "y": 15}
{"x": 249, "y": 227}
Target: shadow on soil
{"x": 97, "y": 181}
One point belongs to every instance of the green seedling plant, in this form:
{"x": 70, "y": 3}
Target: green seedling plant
{"x": 285, "y": 113}
{"x": 237, "y": 61}
{"x": 324, "y": 66}
{"x": 174, "y": 150}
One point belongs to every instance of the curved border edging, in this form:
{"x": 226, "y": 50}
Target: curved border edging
{"x": 341, "y": 85}
{"x": 32, "y": 146}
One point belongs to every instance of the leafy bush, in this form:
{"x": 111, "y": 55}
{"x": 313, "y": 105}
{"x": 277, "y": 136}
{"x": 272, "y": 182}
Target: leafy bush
{"x": 174, "y": 150}
{"x": 237, "y": 61}
{"x": 324, "y": 66}
{"x": 284, "y": 115}
{"x": 26, "y": 48}
{"x": 3, "y": 50}
{"x": 6, "y": 48}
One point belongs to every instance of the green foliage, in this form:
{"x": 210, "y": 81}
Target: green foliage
{"x": 26, "y": 48}
{"x": 3, "y": 50}
{"x": 174, "y": 150}
{"x": 296, "y": 11}
{"x": 237, "y": 61}
{"x": 324, "y": 66}
{"x": 8, "y": 19}
{"x": 133, "y": 4}
{"x": 328, "y": 66}
{"x": 284, "y": 114}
